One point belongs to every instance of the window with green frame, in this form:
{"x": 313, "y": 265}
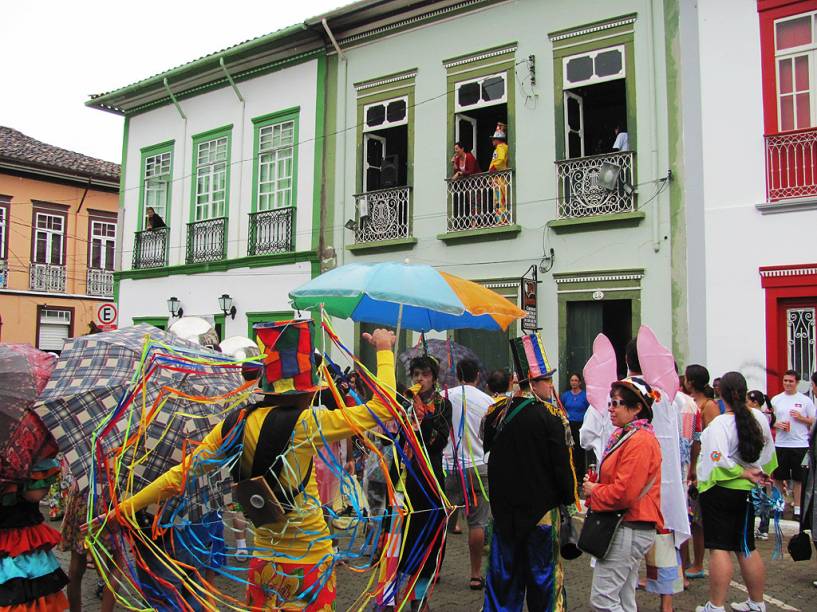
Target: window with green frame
{"x": 266, "y": 317}
{"x": 211, "y": 174}
{"x": 275, "y": 172}
{"x": 156, "y": 181}
{"x": 160, "y": 322}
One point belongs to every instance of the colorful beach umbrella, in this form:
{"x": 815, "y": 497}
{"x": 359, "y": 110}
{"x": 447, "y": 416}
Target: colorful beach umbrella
{"x": 411, "y": 296}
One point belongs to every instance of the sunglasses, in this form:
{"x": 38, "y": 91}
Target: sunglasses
{"x": 616, "y": 403}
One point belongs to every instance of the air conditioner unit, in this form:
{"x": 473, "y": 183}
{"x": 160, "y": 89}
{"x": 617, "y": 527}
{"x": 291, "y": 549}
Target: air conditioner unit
{"x": 390, "y": 171}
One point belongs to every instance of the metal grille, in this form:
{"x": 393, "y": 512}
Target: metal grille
{"x": 100, "y": 282}
{"x": 791, "y": 165}
{"x": 271, "y": 231}
{"x": 206, "y": 240}
{"x": 4, "y": 273}
{"x": 382, "y": 215}
{"x": 47, "y": 277}
{"x": 150, "y": 248}
{"x": 480, "y": 201}
{"x": 800, "y": 335}
{"x": 581, "y": 195}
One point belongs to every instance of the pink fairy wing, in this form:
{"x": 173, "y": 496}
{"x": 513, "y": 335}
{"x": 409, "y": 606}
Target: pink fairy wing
{"x": 600, "y": 373}
{"x": 657, "y": 363}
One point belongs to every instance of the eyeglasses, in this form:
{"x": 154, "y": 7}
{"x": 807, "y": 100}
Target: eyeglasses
{"x": 617, "y": 403}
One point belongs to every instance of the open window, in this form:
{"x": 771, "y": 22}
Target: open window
{"x": 595, "y": 102}
{"x": 385, "y": 144}
{"x": 479, "y": 105}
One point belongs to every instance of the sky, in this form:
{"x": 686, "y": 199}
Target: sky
{"x": 58, "y": 53}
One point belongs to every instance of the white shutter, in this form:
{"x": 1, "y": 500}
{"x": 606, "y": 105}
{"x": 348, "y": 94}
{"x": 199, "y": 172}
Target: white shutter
{"x": 466, "y": 128}
{"x": 574, "y": 125}
{"x": 52, "y": 336}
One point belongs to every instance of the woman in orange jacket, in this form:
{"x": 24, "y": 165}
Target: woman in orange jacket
{"x": 629, "y": 480}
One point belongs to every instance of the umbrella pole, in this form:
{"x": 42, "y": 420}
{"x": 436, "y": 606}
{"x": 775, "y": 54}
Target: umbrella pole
{"x": 399, "y": 324}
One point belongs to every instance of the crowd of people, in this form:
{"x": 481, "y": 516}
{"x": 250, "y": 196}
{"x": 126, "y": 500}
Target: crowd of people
{"x": 648, "y": 485}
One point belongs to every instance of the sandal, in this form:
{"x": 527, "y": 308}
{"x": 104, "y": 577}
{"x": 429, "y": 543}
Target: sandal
{"x": 695, "y": 575}
{"x": 477, "y": 583}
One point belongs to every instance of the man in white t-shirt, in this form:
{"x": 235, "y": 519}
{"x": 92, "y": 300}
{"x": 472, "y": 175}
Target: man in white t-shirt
{"x": 795, "y": 415}
{"x": 465, "y": 462}
{"x": 622, "y": 141}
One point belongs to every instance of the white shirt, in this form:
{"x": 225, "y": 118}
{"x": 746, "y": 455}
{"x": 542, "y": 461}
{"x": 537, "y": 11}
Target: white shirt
{"x": 783, "y": 404}
{"x": 466, "y": 434}
{"x": 595, "y": 432}
{"x": 622, "y": 142}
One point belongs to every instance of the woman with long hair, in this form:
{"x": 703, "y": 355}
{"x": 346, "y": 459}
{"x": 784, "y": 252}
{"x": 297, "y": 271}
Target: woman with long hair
{"x": 574, "y": 400}
{"x": 760, "y": 401}
{"x": 737, "y": 454}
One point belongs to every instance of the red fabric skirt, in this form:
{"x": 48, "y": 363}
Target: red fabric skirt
{"x": 286, "y": 586}
{"x": 16, "y": 542}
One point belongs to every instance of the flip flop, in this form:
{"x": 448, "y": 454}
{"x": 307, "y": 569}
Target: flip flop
{"x": 695, "y": 575}
{"x": 477, "y": 583}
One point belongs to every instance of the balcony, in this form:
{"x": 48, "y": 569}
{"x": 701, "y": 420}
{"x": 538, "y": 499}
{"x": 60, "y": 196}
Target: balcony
{"x": 383, "y": 215}
{"x": 206, "y": 240}
{"x": 271, "y": 231}
{"x": 99, "y": 282}
{"x": 791, "y": 165}
{"x": 481, "y": 201}
{"x": 47, "y": 277}
{"x": 4, "y": 273}
{"x": 150, "y": 248}
{"x": 581, "y": 195}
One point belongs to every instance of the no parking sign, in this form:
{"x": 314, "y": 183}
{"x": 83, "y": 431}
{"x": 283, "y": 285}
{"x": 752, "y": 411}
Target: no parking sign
{"x": 107, "y": 316}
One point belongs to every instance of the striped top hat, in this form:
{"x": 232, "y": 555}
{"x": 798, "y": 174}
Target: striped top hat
{"x": 530, "y": 359}
{"x": 289, "y": 357}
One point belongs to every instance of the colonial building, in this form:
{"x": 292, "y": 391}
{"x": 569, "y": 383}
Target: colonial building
{"x": 759, "y": 165}
{"x": 58, "y": 235}
{"x": 227, "y": 152}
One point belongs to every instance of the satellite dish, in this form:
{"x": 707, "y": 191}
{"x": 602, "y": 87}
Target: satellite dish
{"x": 239, "y": 347}
{"x": 198, "y": 330}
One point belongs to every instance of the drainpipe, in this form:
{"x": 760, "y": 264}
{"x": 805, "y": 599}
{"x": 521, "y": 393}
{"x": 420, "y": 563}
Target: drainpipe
{"x": 75, "y": 241}
{"x": 656, "y": 225}
{"x": 240, "y": 149}
{"x": 342, "y": 131}
{"x": 183, "y": 182}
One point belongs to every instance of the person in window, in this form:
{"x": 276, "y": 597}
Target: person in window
{"x": 464, "y": 164}
{"x": 154, "y": 221}
{"x": 622, "y": 141}
{"x": 500, "y": 161}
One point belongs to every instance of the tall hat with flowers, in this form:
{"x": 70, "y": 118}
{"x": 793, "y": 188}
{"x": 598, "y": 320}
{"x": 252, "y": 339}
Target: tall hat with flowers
{"x": 289, "y": 357}
{"x": 530, "y": 359}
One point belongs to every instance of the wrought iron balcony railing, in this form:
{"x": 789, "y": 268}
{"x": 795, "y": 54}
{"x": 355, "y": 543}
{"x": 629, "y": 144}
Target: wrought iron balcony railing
{"x": 4, "y": 273}
{"x": 150, "y": 248}
{"x": 383, "y": 214}
{"x": 581, "y": 194}
{"x": 99, "y": 282}
{"x": 791, "y": 165}
{"x": 206, "y": 240}
{"x": 47, "y": 277}
{"x": 271, "y": 231}
{"x": 480, "y": 201}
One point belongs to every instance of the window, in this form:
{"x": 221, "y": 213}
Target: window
{"x": 385, "y": 144}
{"x": 211, "y": 159}
{"x": 157, "y": 179}
{"x": 386, "y": 114}
{"x": 276, "y": 142}
{"x": 103, "y": 244}
{"x": 795, "y": 63}
{"x": 593, "y": 67}
{"x": 49, "y": 238}
{"x": 480, "y": 104}
{"x": 484, "y": 91}
{"x": 54, "y": 328}
{"x": 4, "y": 221}
{"x": 801, "y": 342}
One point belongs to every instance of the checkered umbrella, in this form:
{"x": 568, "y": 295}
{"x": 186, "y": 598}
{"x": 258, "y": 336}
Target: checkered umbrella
{"x": 84, "y": 399}
{"x": 447, "y": 353}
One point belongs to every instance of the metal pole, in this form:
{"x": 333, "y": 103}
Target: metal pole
{"x": 399, "y": 324}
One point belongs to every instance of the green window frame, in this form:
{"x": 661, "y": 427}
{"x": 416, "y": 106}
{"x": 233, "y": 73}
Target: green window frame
{"x": 160, "y": 322}
{"x": 265, "y": 317}
{"x": 210, "y": 184}
{"x": 156, "y": 181}
{"x": 275, "y": 160}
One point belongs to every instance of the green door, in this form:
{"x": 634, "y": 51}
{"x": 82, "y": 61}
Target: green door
{"x": 490, "y": 346}
{"x": 585, "y": 320}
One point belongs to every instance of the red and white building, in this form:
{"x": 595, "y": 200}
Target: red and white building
{"x": 758, "y": 134}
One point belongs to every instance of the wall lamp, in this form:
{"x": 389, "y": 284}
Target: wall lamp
{"x": 175, "y": 307}
{"x": 350, "y": 225}
{"x": 225, "y": 302}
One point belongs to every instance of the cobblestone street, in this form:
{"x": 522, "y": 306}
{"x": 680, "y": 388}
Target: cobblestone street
{"x": 788, "y": 584}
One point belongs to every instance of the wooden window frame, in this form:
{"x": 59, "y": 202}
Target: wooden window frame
{"x": 71, "y": 326}
{"x": 101, "y": 217}
{"x": 49, "y": 208}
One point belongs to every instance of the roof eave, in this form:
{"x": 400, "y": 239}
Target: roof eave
{"x": 46, "y": 171}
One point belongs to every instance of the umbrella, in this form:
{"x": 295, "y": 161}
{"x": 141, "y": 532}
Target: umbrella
{"x": 447, "y": 353}
{"x": 416, "y": 297}
{"x": 24, "y": 372}
{"x": 86, "y": 398}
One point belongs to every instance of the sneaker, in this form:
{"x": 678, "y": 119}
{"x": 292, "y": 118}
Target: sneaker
{"x": 709, "y": 608}
{"x": 761, "y": 535}
{"x": 748, "y": 606}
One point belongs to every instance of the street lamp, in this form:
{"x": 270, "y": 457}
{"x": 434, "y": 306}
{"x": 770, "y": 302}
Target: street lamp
{"x": 175, "y": 307}
{"x": 225, "y": 302}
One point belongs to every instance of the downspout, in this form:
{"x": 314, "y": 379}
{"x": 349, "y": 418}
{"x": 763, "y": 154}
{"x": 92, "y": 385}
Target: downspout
{"x": 183, "y": 182}
{"x": 656, "y": 225}
{"x": 342, "y": 131}
{"x": 240, "y": 149}
{"x": 75, "y": 246}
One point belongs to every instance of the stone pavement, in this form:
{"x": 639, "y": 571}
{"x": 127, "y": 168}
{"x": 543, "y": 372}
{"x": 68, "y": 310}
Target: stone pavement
{"x": 788, "y": 585}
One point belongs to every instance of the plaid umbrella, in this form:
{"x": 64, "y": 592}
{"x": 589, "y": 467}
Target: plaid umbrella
{"x": 87, "y": 394}
{"x": 447, "y": 353}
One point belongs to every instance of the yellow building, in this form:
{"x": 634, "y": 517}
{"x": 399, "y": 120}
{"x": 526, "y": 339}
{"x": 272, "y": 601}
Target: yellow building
{"x": 58, "y": 231}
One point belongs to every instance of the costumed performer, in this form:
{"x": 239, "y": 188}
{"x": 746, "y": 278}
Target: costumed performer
{"x": 530, "y": 475}
{"x": 292, "y": 561}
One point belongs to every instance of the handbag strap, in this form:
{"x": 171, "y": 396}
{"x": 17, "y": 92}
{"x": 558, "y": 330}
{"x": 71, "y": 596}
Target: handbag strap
{"x": 512, "y": 414}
